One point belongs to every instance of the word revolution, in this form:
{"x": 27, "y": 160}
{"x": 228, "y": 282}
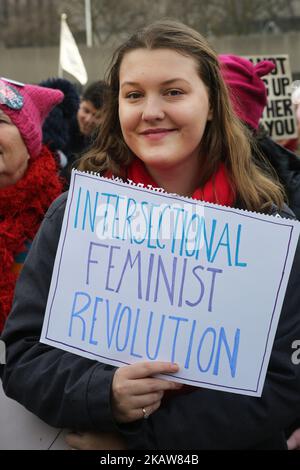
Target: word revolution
{"x": 118, "y": 327}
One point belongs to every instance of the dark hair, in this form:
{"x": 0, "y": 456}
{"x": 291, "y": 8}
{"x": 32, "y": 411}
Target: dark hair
{"x": 225, "y": 138}
{"x": 96, "y": 93}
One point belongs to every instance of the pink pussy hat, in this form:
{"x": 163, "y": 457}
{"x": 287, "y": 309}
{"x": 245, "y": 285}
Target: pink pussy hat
{"x": 27, "y": 106}
{"x": 247, "y": 89}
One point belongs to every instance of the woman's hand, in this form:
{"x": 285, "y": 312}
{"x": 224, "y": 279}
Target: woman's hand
{"x": 95, "y": 441}
{"x": 293, "y": 441}
{"x": 136, "y": 394}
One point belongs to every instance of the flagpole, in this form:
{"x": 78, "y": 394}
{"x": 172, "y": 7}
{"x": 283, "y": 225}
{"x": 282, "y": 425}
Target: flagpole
{"x": 63, "y": 17}
{"x": 88, "y": 23}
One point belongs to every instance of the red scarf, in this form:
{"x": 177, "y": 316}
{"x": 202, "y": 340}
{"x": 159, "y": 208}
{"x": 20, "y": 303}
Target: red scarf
{"x": 217, "y": 190}
{"x": 22, "y": 207}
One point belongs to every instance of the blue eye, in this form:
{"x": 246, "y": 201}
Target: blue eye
{"x": 134, "y": 95}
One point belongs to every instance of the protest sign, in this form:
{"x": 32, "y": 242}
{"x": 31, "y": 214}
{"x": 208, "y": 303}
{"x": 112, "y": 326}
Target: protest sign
{"x": 142, "y": 275}
{"x": 279, "y": 117}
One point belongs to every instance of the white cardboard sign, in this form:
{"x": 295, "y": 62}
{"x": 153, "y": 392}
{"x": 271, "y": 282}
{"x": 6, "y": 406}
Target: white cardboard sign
{"x": 142, "y": 275}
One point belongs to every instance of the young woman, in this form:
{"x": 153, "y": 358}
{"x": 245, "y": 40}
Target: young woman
{"x": 168, "y": 122}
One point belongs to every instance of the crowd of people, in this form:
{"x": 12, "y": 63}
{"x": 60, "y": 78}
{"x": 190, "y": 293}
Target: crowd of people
{"x": 175, "y": 115}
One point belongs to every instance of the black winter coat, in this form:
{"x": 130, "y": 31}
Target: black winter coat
{"x": 287, "y": 166}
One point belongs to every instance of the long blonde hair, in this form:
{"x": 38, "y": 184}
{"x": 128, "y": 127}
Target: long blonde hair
{"x": 225, "y": 138}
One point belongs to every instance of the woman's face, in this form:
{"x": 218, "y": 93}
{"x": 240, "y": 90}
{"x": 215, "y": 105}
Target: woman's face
{"x": 163, "y": 107}
{"x": 13, "y": 153}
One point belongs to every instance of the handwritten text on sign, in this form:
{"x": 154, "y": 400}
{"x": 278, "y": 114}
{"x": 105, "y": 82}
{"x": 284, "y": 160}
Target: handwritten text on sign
{"x": 279, "y": 117}
{"x": 141, "y": 275}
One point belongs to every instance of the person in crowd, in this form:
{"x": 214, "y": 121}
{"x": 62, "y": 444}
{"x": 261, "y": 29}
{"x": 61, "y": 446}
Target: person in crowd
{"x": 69, "y": 129}
{"x": 29, "y": 180}
{"x": 292, "y": 144}
{"x": 91, "y": 103}
{"x": 168, "y": 122}
{"x": 249, "y": 97}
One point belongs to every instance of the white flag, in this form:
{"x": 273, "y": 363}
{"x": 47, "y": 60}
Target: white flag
{"x": 69, "y": 57}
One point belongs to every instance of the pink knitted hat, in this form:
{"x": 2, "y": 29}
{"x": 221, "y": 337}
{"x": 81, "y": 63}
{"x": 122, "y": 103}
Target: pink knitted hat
{"x": 27, "y": 106}
{"x": 247, "y": 90}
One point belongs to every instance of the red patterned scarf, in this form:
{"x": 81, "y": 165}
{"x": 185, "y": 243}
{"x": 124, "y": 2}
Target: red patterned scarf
{"x": 22, "y": 207}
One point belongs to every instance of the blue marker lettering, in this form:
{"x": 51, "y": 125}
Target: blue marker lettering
{"x": 92, "y": 261}
{"x": 127, "y": 328}
{"x": 237, "y": 249}
{"x": 182, "y": 282}
{"x": 159, "y": 227}
{"x": 232, "y": 357}
{"x": 77, "y": 313}
{"x": 108, "y": 196}
{"x": 110, "y": 330}
{"x": 129, "y": 216}
{"x": 195, "y": 217}
{"x": 202, "y": 289}
{"x": 206, "y": 332}
{"x": 226, "y": 244}
{"x": 178, "y": 320}
{"x": 188, "y": 356}
{"x": 142, "y": 238}
{"x": 137, "y": 319}
{"x": 94, "y": 319}
{"x": 116, "y": 219}
{"x": 208, "y": 246}
{"x": 212, "y": 289}
{"x": 150, "y": 335}
{"x": 132, "y": 263}
{"x": 183, "y": 233}
{"x": 150, "y": 226}
{"x": 149, "y": 276}
{"x": 91, "y": 212}
{"x": 110, "y": 267}
{"x": 169, "y": 285}
{"x": 178, "y": 210}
